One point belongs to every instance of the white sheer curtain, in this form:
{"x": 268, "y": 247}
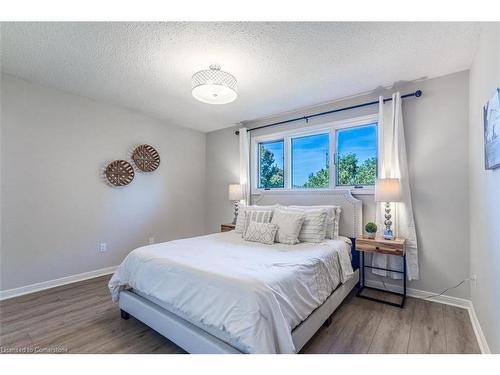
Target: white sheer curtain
{"x": 245, "y": 164}
{"x": 393, "y": 164}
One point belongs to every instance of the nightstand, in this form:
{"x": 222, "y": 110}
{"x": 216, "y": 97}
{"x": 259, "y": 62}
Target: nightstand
{"x": 227, "y": 227}
{"x": 394, "y": 247}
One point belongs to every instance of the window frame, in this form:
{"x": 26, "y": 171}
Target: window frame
{"x": 321, "y": 128}
{"x": 257, "y": 159}
{"x": 352, "y": 187}
{"x": 291, "y": 159}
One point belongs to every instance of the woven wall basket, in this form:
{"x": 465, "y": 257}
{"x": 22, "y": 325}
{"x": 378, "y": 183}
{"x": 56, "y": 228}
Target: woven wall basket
{"x": 119, "y": 173}
{"x": 146, "y": 158}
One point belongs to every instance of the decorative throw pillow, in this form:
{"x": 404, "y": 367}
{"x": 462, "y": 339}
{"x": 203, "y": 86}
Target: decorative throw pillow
{"x": 314, "y": 226}
{"x": 330, "y": 227}
{"x": 240, "y": 220}
{"x": 338, "y": 211}
{"x": 331, "y": 219}
{"x": 256, "y": 216}
{"x": 261, "y": 232}
{"x": 289, "y": 224}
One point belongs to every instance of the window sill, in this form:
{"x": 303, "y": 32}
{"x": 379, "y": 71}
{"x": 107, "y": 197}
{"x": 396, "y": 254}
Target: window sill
{"x": 369, "y": 191}
{"x": 362, "y": 191}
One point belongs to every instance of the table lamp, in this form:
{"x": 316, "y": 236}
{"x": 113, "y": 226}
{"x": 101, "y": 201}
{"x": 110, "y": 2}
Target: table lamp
{"x": 235, "y": 195}
{"x": 388, "y": 190}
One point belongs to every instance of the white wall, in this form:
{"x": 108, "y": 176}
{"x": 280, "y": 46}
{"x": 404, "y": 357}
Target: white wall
{"x": 436, "y": 135}
{"x": 485, "y": 191}
{"x": 223, "y": 168}
{"x": 55, "y": 207}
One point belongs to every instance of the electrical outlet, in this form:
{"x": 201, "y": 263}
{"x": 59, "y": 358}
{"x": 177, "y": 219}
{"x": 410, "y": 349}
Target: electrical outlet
{"x": 474, "y": 280}
{"x": 103, "y": 247}
{"x": 151, "y": 240}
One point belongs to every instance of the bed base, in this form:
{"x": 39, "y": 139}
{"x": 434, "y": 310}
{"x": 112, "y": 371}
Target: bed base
{"x": 322, "y": 315}
{"x": 197, "y": 341}
{"x": 181, "y": 332}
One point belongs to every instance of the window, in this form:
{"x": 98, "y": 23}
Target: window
{"x": 341, "y": 154}
{"x": 356, "y": 156}
{"x": 271, "y": 162}
{"x": 310, "y": 164}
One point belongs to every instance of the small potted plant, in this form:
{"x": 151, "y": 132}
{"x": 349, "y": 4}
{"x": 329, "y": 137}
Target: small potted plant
{"x": 371, "y": 229}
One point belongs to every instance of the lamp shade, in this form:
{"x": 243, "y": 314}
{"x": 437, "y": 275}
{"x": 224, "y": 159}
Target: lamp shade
{"x": 235, "y": 192}
{"x": 388, "y": 190}
{"x": 214, "y": 86}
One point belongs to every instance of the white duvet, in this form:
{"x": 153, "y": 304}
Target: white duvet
{"x": 253, "y": 294}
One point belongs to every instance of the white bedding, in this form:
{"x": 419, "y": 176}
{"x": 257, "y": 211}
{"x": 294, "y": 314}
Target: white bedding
{"x": 254, "y": 294}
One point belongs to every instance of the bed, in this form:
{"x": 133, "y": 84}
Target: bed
{"x": 221, "y": 294}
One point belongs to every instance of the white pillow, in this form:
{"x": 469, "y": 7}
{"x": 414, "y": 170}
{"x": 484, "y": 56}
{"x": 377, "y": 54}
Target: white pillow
{"x": 261, "y": 232}
{"x": 338, "y": 211}
{"x": 256, "y": 216}
{"x": 289, "y": 224}
{"x": 240, "y": 220}
{"x": 333, "y": 217}
{"x": 314, "y": 226}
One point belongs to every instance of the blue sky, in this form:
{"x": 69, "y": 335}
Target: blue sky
{"x": 277, "y": 149}
{"x": 309, "y": 153}
{"x": 359, "y": 141}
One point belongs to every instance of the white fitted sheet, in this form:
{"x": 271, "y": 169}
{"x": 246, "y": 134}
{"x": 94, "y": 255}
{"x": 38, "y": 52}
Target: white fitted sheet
{"x": 248, "y": 294}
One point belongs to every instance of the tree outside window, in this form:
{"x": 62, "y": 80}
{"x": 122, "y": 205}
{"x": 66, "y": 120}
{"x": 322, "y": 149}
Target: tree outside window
{"x": 271, "y": 160}
{"x": 355, "y": 155}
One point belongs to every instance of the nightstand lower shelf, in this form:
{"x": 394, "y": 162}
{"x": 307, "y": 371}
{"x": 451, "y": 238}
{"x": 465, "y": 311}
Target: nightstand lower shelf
{"x": 362, "y": 283}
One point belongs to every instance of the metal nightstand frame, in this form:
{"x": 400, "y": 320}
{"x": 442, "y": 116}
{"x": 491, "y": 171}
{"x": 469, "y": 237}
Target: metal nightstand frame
{"x": 362, "y": 285}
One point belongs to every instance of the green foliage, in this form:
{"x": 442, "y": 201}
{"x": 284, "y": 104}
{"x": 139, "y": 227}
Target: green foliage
{"x": 367, "y": 173}
{"x": 351, "y": 173}
{"x": 271, "y": 176}
{"x": 347, "y": 169}
{"x": 320, "y": 179}
{"x": 371, "y": 227}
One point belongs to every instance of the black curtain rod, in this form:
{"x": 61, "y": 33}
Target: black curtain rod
{"x": 417, "y": 94}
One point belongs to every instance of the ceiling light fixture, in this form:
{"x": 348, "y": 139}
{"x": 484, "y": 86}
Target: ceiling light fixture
{"x": 214, "y": 86}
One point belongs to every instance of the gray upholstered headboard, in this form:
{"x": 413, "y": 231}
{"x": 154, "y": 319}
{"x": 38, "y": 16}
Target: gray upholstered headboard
{"x": 350, "y": 220}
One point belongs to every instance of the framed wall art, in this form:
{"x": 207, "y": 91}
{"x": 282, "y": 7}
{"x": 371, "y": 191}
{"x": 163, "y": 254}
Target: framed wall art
{"x": 491, "y": 112}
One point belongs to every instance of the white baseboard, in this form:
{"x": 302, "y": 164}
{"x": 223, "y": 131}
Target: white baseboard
{"x": 444, "y": 299}
{"x": 32, "y": 288}
{"x": 481, "y": 339}
{"x": 417, "y": 293}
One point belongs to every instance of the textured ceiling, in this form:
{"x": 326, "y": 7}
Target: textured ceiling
{"x": 279, "y": 66}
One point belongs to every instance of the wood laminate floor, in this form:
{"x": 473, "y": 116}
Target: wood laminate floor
{"x": 80, "y": 318}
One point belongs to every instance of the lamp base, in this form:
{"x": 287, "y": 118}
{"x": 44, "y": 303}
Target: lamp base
{"x": 236, "y": 203}
{"x": 388, "y": 234}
